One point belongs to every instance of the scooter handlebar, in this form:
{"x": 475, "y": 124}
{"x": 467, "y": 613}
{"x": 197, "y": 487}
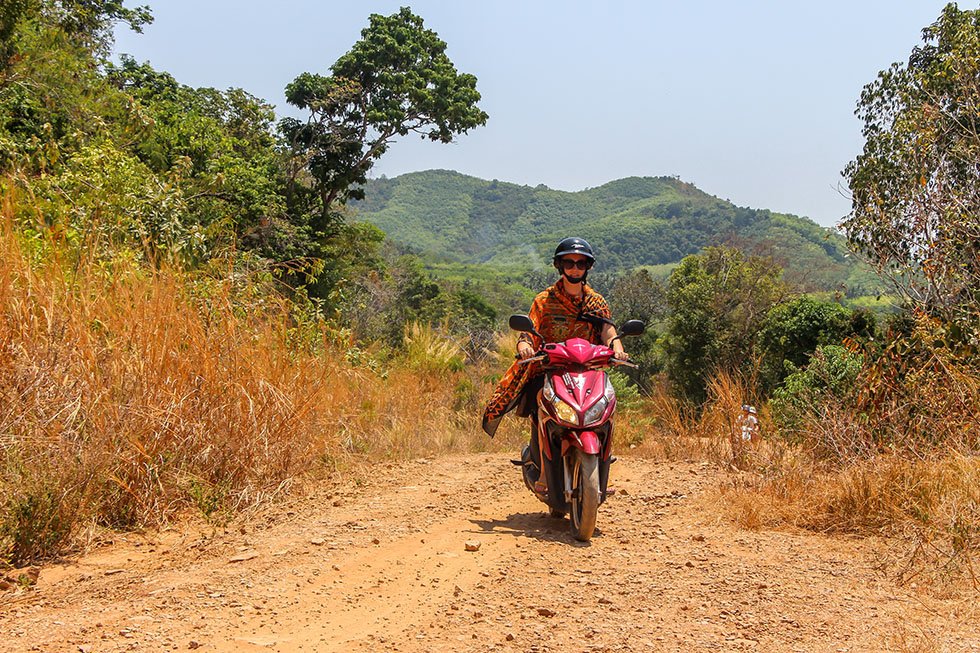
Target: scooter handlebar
{"x": 531, "y": 359}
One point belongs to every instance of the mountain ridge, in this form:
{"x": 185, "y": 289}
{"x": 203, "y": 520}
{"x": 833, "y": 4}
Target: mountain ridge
{"x": 632, "y": 222}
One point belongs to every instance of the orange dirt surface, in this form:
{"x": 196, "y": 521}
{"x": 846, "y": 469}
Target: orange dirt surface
{"x": 383, "y": 566}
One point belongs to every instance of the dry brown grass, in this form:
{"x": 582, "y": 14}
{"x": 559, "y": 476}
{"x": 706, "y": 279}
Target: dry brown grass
{"x": 928, "y": 506}
{"x": 674, "y": 430}
{"x": 130, "y": 396}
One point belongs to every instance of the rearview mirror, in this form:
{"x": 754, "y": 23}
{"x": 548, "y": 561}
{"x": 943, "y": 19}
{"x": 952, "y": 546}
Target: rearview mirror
{"x": 632, "y": 328}
{"x": 521, "y": 323}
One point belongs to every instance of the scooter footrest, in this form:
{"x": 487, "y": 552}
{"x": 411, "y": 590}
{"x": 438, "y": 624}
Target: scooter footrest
{"x": 517, "y": 462}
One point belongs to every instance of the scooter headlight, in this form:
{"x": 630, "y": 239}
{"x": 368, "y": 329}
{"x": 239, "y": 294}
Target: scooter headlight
{"x": 565, "y": 412}
{"x": 594, "y": 414}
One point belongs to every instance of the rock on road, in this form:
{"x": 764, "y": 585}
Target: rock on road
{"x": 384, "y": 566}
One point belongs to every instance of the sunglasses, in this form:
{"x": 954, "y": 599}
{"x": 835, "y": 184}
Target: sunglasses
{"x": 568, "y": 264}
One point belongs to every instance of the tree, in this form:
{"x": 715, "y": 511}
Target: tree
{"x": 86, "y": 22}
{"x": 396, "y": 80}
{"x": 636, "y": 295}
{"x": 793, "y": 330}
{"x": 718, "y": 301}
{"x": 223, "y": 145}
{"x": 916, "y": 186}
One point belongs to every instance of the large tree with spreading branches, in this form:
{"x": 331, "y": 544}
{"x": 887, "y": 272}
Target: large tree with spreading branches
{"x": 395, "y": 81}
{"x": 916, "y": 185}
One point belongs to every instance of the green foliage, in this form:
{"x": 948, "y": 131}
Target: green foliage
{"x": 353, "y": 253}
{"x": 637, "y": 295}
{"x": 223, "y": 142}
{"x": 41, "y": 511}
{"x": 12, "y": 13}
{"x": 793, "y": 330}
{"x": 502, "y": 291}
{"x": 831, "y": 374}
{"x": 627, "y": 393}
{"x": 52, "y": 99}
{"x": 632, "y": 222}
{"x": 916, "y": 186}
{"x": 377, "y": 304}
{"x": 429, "y": 350}
{"x": 86, "y": 23}
{"x": 396, "y": 80}
{"x": 124, "y": 161}
{"x": 718, "y": 301}
{"x": 210, "y": 499}
{"x": 103, "y": 201}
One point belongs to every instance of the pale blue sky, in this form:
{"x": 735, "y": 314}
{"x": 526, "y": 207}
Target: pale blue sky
{"x": 752, "y": 101}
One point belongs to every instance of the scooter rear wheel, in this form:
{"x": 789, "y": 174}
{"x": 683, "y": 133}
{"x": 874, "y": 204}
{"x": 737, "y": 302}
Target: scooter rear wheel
{"x": 585, "y": 495}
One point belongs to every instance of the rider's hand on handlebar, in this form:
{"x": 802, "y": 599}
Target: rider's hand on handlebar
{"x": 621, "y": 355}
{"x": 524, "y": 350}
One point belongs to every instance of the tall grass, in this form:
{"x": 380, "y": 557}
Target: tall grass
{"x": 931, "y": 508}
{"x": 832, "y": 475}
{"x": 677, "y": 430}
{"x": 127, "y": 396}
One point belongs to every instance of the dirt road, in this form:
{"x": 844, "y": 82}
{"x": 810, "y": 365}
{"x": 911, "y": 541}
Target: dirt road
{"x": 383, "y": 567}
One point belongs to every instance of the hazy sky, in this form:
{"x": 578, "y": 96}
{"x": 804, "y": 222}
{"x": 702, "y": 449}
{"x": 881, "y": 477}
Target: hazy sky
{"x": 752, "y": 100}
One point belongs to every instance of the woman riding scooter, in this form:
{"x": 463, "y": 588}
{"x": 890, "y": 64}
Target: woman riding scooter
{"x": 569, "y": 308}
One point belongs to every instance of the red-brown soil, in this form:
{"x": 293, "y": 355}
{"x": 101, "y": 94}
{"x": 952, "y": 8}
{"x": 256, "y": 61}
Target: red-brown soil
{"x": 382, "y": 567}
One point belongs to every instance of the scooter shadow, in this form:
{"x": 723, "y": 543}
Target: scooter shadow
{"x": 534, "y": 525}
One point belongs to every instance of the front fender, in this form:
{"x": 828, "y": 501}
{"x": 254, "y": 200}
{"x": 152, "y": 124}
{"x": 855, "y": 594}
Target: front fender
{"x": 586, "y": 441}
{"x": 590, "y": 442}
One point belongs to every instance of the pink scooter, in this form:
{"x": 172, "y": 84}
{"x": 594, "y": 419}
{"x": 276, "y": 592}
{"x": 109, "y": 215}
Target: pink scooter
{"x": 574, "y": 425}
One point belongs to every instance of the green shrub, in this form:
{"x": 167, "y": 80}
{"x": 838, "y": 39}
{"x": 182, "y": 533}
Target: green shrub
{"x": 831, "y": 374}
{"x": 40, "y": 511}
{"x": 627, "y": 393}
{"x": 428, "y": 350}
{"x": 793, "y": 330}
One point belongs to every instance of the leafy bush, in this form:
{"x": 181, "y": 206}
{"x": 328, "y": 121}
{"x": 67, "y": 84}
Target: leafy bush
{"x": 718, "y": 301}
{"x": 42, "y": 508}
{"x": 793, "y": 330}
{"x": 831, "y": 375}
{"x": 628, "y": 395}
{"x": 429, "y": 350}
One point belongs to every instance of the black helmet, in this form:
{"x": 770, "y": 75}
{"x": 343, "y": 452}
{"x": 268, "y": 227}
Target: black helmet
{"x": 574, "y": 246}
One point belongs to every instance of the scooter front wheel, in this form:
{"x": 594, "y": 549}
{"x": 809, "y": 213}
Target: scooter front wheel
{"x": 585, "y": 495}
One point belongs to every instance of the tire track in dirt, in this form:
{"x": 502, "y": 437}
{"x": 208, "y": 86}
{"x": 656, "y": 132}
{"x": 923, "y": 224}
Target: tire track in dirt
{"x": 382, "y": 566}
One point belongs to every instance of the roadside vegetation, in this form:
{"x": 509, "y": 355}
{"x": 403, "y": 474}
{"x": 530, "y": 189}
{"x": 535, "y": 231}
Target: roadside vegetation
{"x": 871, "y": 422}
{"x": 191, "y": 317}
{"x": 126, "y": 398}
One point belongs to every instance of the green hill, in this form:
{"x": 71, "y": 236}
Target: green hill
{"x": 637, "y": 221}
